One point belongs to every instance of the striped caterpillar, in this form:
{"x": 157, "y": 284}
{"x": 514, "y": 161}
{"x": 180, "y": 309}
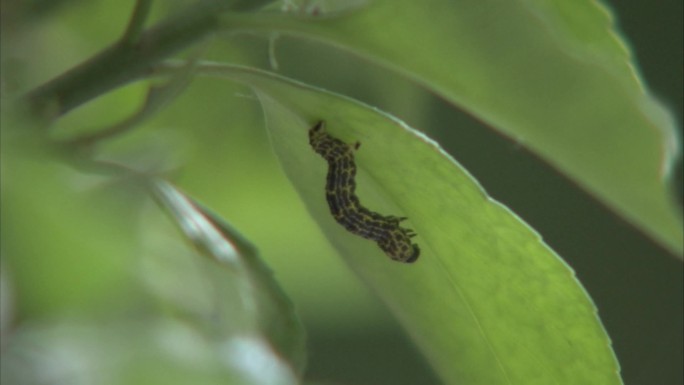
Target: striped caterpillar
{"x": 344, "y": 205}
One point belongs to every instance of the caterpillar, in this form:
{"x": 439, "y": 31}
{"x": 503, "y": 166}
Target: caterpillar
{"x": 344, "y": 205}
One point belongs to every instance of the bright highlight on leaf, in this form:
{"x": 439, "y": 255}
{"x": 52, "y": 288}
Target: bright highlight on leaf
{"x": 267, "y": 324}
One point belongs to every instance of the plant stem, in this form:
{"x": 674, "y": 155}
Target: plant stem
{"x": 128, "y": 59}
{"x": 137, "y": 22}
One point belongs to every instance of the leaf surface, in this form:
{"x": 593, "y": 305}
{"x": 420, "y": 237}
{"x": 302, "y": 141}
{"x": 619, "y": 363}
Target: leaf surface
{"x": 554, "y": 77}
{"x": 488, "y": 302}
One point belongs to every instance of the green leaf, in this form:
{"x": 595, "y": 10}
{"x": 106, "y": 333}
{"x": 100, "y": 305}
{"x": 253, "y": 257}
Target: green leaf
{"x": 95, "y": 306}
{"x": 488, "y": 302}
{"x": 248, "y": 301}
{"x": 553, "y": 76}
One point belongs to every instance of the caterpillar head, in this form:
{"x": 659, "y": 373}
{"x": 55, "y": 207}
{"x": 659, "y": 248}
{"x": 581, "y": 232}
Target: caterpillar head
{"x": 400, "y": 250}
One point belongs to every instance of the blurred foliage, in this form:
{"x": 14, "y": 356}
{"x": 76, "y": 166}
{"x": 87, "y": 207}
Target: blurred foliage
{"x": 82, "y": 252}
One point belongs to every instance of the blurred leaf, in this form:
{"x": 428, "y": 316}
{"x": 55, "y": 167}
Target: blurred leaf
{"x": 253, "y": 302}
{"x": 553, "y": 76}
{"x": 68, "y": 240}
{"x": 222, "y": 326}
{"x": 487, "y": 302}
{"x": 149, "y": 351}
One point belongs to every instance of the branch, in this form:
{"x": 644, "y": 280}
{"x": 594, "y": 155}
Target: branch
{"x": 128, "y": 59}
{"x": 137, "y": 22}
